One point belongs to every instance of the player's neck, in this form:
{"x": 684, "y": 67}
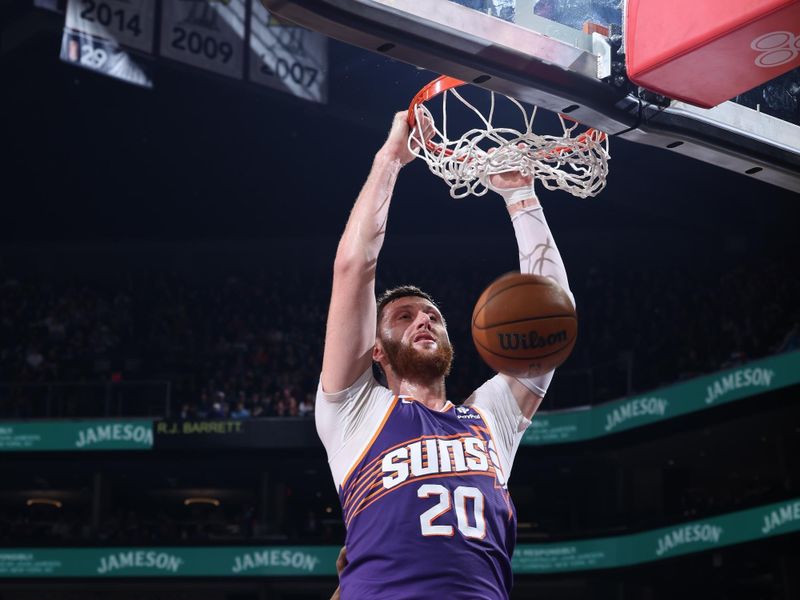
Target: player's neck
{"x": 431, "y": 394}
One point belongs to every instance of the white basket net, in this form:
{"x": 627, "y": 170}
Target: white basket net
{"x": 575, "y": 161}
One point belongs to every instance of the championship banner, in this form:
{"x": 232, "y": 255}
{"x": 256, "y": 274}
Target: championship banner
{"x": 748, "y": 380}
{"x": 287, "y": 57}
{"x": 102, "y": 435}
{"x": 128, "y": 23}
{"x": 98, "y": 33}
{"x": 703, "y": 535}
{"x": 104, "y": 56}
{"x": 208, "y": 34}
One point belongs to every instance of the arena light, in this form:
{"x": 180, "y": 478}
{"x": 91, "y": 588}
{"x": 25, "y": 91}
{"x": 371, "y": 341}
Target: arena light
{"x": 201, "y": 500}
{"x": 43, "y": 502}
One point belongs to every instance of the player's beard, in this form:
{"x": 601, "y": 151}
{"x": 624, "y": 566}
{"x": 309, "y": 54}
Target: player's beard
{"x": 412, "y": 364}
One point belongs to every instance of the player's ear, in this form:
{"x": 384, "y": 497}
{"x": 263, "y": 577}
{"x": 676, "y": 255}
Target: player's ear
{"x": 377, "y": 352}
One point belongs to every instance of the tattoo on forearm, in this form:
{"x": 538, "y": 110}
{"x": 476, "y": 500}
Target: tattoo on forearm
{"x": 537, "y": 260}
{"x": 543, "y": 259}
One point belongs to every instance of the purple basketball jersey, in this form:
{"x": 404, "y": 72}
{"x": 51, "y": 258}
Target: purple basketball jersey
{"x": 425, "y": 510}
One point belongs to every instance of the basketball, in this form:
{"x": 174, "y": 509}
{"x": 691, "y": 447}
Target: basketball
{"x": 524, "y": 325}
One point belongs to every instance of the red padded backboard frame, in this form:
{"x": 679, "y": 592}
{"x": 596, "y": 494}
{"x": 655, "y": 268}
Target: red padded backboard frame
{"x": 707, "y": 51}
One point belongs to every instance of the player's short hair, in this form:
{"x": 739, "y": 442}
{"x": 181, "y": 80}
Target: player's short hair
{"x": 401, "y": 291}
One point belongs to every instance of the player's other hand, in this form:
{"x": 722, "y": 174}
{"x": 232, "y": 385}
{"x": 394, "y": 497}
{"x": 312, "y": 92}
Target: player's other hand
{"x": 341, "y": 563}
{"x": 341, "y": 560}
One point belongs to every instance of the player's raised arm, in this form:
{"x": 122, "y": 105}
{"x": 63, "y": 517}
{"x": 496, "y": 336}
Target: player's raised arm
{"x": 350, "y": 334}
{"x": 539, "y": 255}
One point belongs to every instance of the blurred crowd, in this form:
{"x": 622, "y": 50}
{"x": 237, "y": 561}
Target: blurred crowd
{"x": 250, "y": 345}
{"x": 235, "y": 349}
{"x": 680, "y": 324}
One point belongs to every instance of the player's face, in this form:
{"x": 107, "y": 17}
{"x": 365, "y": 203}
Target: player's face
{"x": 414, "y": 336}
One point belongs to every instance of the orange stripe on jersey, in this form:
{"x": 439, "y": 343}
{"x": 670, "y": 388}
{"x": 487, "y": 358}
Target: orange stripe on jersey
{"x": 367, "y": 479}
{"x": 372, "y": 441}
{"x": 368, "y": 485}
{"x": 481, "y": 428}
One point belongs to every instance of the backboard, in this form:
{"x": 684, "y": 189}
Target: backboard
{"x": 568, "y": 56}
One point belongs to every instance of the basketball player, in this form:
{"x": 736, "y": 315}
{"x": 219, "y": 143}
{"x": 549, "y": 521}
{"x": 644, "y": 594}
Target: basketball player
{"x": 423, "y": 483}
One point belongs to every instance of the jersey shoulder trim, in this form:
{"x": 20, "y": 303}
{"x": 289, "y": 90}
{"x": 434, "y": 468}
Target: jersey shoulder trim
{"x": 380, "y": 427}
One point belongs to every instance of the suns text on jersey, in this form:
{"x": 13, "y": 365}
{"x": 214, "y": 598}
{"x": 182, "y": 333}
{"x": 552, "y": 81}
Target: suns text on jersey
{"x": 436, "y": 455}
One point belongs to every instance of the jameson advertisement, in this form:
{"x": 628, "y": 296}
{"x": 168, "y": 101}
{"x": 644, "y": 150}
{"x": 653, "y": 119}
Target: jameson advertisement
{"x": 223, "y": 561}
{"x": 299, "y": 561}
{"x": 76, "y": 435}
{"x": 697, "y": 394}
{"x": 648, "y": 546}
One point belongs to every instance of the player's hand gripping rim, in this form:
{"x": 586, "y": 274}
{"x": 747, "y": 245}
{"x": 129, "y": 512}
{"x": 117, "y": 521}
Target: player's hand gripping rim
{"x": 402, "y": 144}
{"x": 516, "y": 189}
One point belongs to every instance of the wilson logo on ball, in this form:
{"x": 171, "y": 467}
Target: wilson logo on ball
{"x": 530, "y": 340}
{"x": 524, "y": 325}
